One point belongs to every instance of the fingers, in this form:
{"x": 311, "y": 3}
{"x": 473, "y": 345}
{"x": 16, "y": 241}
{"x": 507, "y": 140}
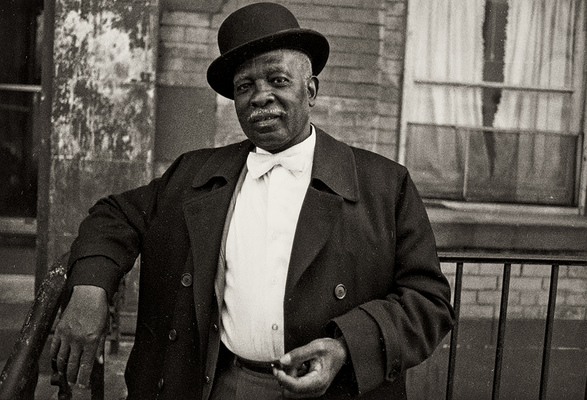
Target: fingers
{"x": 312, "y": 384}
{"x": 80, "y": 334}
{"x": 75, "y": 362}
{"x": 87, "y": 359}
{"x": 299, "y": 355}
{"x": 100, "y": 350}
{"x": 55, "y": 343}
{"x": 62, "y": 358}
{"x": 73, "y": 359}
{"x": 72, "y": 364}
{"x": 85, "y": 367}
{"x": 309, "y": 370}
{"x": 302, "y": 375}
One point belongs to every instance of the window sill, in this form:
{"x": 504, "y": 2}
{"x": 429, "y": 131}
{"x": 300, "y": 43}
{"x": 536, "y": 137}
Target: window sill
{"x": 18, "y": 226}
{"x": 465, "y": 226}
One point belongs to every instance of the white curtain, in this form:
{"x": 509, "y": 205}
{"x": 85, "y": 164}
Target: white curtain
{"x": 541, "y": 41}
{"x": 448, "y": 46}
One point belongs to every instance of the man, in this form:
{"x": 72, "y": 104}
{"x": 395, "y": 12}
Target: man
{"x": 287, "y": 265}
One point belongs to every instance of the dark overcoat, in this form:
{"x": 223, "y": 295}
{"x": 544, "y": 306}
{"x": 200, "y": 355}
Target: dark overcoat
{"x": 363, "y": 264}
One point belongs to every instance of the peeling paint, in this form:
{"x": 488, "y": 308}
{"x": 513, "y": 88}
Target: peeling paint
{"x": 103, "y": 108}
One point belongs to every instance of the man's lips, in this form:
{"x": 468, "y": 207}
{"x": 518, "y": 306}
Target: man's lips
{"x": 262, "y": 120}
{"x": 263, "y": 116}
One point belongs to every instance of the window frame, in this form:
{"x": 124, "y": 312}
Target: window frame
{"x": 580, "y": 200}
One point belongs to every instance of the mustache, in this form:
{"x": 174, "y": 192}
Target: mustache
{"x": 265, "y": 113}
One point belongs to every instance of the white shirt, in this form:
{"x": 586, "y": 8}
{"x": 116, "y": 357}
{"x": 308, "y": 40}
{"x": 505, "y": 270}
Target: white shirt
{"x": 258, "y": 249}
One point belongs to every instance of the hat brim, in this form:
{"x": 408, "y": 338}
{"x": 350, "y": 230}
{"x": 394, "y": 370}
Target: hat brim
{"x": 221, "y": 71}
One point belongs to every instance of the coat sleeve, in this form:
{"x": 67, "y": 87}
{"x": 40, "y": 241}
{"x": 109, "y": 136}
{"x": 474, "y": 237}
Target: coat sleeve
{"x": 109, "y": 238}
{"x": 389, "y": 335}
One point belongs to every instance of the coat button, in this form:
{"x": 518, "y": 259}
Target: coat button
{"x": 161, "y": 383}
{"x": 215, "y": 327}
{"x": 340, "y": 291}
{"x": 186, "y": 279}
{"x": 207, "y": 380}
{"x": 173, "y": 335}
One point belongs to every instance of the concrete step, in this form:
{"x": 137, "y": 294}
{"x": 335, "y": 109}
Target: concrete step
{"x": 17, "y": 289}
{"x": 17, "y": 253}
{"x": 16, "y": 296}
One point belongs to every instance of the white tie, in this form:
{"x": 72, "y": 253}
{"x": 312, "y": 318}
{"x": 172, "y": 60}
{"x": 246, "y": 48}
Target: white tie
{"x": 259, "y": 164}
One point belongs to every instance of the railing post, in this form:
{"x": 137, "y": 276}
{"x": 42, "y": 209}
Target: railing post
{"x": 454, "y": 336}
{"x": 503, "y": 310}
{"x": 548, "y": 331}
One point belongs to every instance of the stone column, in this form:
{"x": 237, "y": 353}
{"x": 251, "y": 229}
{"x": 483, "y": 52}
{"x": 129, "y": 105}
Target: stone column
{"x": 103, "y": 108}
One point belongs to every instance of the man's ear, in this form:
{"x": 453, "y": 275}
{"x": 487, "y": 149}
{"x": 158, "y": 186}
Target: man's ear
{"x": 313, "y": 85}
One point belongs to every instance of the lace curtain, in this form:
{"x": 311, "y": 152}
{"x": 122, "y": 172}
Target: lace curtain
{"x": 448, "y": 46}
{"x": 544, "y": 49}
{"x": 541, "y": 52}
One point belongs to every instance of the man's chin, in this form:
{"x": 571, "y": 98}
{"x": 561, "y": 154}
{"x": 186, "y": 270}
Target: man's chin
{"x": 269, "y": 133}
{"x": 268, "y": 141}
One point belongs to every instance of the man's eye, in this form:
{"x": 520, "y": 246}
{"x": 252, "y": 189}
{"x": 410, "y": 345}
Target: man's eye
{"x": 242, "y": 87}
{"x": 280, "y": 80}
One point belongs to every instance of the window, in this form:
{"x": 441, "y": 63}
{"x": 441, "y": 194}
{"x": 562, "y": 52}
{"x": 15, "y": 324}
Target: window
{"x": 20, "y": 77}
{"x": 493, "y": 100}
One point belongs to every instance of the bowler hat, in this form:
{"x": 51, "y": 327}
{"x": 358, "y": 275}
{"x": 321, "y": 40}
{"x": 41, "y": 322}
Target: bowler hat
{"x": 256, "y": 29}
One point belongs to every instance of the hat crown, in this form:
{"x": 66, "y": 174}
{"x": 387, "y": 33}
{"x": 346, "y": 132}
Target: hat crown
{"x": 253, "y": 22}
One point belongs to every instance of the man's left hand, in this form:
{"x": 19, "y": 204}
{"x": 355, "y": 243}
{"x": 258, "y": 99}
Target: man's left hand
{"x": 309, "y": 370}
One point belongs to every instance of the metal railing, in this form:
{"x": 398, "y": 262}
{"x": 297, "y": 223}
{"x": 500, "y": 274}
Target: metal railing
{"x": 18, "y": 379}
{"x": 461, "y": 258}
{"x": 22, "y": 365}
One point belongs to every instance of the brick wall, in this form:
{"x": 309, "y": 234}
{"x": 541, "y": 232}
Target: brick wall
{"x": 360, "y": 88}
{"x": 186, "y": 41}
{"x": 529, "y": 289}
{"x": 186, "y": 112}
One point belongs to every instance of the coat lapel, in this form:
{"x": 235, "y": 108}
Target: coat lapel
{"x": 334, "y": 181}
{"x": 205, "y": 210}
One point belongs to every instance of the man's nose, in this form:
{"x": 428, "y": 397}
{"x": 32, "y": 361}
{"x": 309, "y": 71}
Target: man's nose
{"x": 263, "y": 94}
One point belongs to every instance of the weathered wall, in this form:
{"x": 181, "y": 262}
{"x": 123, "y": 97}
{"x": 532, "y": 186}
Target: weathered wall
{"x": 103, "y": 107}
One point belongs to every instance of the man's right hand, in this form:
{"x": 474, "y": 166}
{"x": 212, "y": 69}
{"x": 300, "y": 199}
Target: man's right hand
{"x": 80, "y": 334}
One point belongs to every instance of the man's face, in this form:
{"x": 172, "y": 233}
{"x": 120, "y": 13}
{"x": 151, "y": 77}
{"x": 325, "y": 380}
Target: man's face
{"x": 273, "y": 93}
